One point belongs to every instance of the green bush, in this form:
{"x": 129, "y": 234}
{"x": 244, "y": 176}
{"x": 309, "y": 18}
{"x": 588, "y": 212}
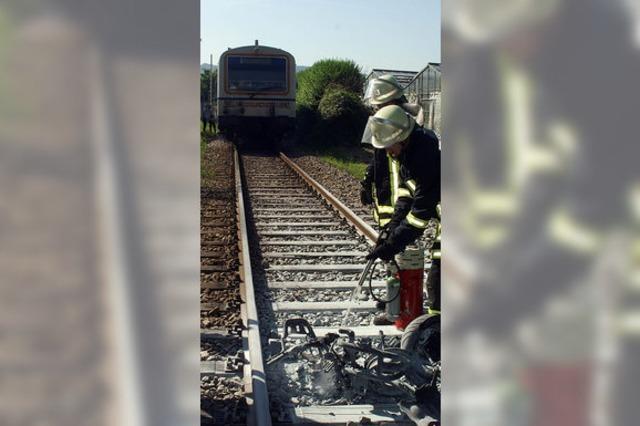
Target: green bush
{"x": 329, "y": 109}
{"x": 314, "y": 81}
{"x": 306, "y": 119}
{"x": 342, "y": 117}
{"x": 338, "y": 102}
{"x": 205, "y": 78}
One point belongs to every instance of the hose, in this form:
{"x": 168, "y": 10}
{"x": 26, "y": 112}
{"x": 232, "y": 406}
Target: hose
{"x": 371, "y": 271}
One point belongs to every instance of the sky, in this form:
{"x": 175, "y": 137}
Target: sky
{"x": 389, "y": 34}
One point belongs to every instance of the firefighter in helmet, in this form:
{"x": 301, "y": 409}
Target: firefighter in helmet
{"x": 414, "y": 158}
{"x": 376, "y": 186}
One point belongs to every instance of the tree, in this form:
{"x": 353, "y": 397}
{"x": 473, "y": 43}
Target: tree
{"x": 205, "y": 78}
{"x": 342, "y": 116}
{"x": 329, "y": 105}
{"x": 314, "y": 81}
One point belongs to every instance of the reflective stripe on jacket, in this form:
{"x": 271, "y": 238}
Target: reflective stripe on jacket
{"x": 384, "y": 174}
{"x": 420, "y": 178}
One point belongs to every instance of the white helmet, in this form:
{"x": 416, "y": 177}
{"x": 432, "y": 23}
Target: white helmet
{"x": 416, "y": 111}
{"x": 383, "y": 89}
{"x": 390, "y": 125}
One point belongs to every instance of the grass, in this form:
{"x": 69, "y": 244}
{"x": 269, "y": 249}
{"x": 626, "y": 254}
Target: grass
{"x": 353, "y": 160}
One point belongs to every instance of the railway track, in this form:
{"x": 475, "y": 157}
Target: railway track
{"x": 299, "y": 254}
{"x": 222, "y": 383}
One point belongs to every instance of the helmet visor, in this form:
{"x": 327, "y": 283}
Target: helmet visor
{"x": 381, "y": 91}
{"x": 386, "y": 132}
{"x": 366, "y": 135}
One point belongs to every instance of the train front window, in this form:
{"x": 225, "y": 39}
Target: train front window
{"x": 256, "y": 74}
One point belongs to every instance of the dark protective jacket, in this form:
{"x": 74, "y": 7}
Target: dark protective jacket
{"x": 379, "y": 175}
{"x": 419, "y": 165}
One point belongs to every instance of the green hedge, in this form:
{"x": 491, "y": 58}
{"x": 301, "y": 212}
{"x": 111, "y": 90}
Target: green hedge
{"x": 306, "y": 119}
{"x": 330, "y": 111}
{"x": 313, "y": 81}
{"x": 342, "y": 117}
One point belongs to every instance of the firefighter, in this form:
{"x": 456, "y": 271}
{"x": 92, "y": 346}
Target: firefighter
{"x": 385, "y": 90}
{"x": 414, "y": 155}
{"x": 380, "y": 186}
{"x": 376, "y": 185}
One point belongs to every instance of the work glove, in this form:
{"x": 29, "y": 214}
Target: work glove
{"x": 366, "y": 196}
{"x": 383, "y": 250}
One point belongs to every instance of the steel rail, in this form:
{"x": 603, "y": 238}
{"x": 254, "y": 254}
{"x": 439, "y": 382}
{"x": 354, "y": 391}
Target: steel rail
{"x": 259, "y": 413}
{"x": 334, "y": 414}
{"x": 360, "y": 225}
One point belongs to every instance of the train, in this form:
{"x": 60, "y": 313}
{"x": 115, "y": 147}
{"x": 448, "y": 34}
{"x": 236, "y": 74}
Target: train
{"x": 256, "y": 93}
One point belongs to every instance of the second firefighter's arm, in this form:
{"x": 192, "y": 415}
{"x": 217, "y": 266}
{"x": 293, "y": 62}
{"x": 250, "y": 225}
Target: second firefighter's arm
{"x": 416, "y": 220}
{"x": 413, "y": 219}
{"x": 366, "y": 184}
